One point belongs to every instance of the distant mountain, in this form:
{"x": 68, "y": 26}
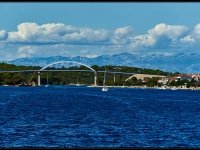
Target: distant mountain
{"x": 181, "y": 62}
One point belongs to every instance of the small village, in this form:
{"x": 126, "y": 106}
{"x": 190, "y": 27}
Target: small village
{"x": 180, "y": 81}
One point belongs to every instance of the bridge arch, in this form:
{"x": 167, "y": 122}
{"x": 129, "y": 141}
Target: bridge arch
{"x": 61, "y": 62}
{"x": 73, "y": 62}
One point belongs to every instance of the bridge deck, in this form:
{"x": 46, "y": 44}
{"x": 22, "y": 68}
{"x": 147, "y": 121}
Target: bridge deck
{"x": 23, "y": 71}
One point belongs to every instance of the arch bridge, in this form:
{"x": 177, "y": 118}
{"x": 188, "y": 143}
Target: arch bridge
{"x": 69, "y": 62}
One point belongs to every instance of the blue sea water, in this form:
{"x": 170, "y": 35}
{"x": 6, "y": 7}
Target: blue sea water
{"x": 74, "y": 117}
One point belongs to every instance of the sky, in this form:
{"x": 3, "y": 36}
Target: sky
{"x": 87, "y": 29}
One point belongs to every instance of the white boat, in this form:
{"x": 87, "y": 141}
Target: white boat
{"x": 173, "y": 88}
{"x": 47, "y": 81}
{"x": 104, "y": 89}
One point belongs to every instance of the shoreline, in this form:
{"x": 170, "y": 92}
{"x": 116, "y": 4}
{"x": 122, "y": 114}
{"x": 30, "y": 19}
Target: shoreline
{"x": 145, "y": 87}
{"x": 130, "y": 87}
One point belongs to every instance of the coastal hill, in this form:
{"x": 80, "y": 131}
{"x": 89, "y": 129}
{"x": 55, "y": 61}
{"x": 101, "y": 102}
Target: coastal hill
{"x": 71, "y": 77}
{"x": 141, "y": 77}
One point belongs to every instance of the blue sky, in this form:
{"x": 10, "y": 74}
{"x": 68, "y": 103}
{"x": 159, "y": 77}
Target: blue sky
{"x": 92, "y": 29}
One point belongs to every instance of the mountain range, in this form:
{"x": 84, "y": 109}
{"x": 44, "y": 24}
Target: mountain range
{"x": 181, "y": 62}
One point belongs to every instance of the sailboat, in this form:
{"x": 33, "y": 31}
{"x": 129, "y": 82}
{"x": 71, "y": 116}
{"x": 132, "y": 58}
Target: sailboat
{"x": 77, "y": 84}
{"x": 104, "y": 89}
{"x": 47, "y": 81}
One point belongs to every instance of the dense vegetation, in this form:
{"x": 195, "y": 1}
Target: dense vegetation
{"x": 63, "y": 77}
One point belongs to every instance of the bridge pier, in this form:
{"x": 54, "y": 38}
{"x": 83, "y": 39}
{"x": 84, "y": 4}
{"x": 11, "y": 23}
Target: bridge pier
{"x": 38, "y": 78}
{"x": 25, "y": 77}
{"x": 95, "y": 78}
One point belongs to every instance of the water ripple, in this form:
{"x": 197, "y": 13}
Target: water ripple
{"x": 79, "y": 117}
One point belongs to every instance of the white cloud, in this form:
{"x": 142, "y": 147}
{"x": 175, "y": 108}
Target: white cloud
{"x": 87, "y": 35}
{"x": 145, "y": 40}
{"x": 187, "y": 39}
{"x": 34, "y": 40}
{"x": 3, "y": 35}
{"x": 122, "y": 35}
{"x": 123, "y": 31}
{"x": 171, "y": 31}
{"x": 193, "y": 37}
{"x": 196, "y": 31}
{"x": 88, "y": 53}
{"x": 26, "y": 51}
{"x": 56, "y": 32}
{"x": 161, "y": 36}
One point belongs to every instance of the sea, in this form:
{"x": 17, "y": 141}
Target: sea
{"x": 86, "y": 117}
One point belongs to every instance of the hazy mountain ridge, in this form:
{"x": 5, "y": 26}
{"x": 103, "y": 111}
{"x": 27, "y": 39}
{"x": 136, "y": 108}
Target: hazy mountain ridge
{"x": 181, "y": 62}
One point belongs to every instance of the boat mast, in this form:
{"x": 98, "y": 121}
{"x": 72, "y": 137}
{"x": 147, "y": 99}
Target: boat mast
{"x": 104, "y": 80}
{"x": 47, "y": 78}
